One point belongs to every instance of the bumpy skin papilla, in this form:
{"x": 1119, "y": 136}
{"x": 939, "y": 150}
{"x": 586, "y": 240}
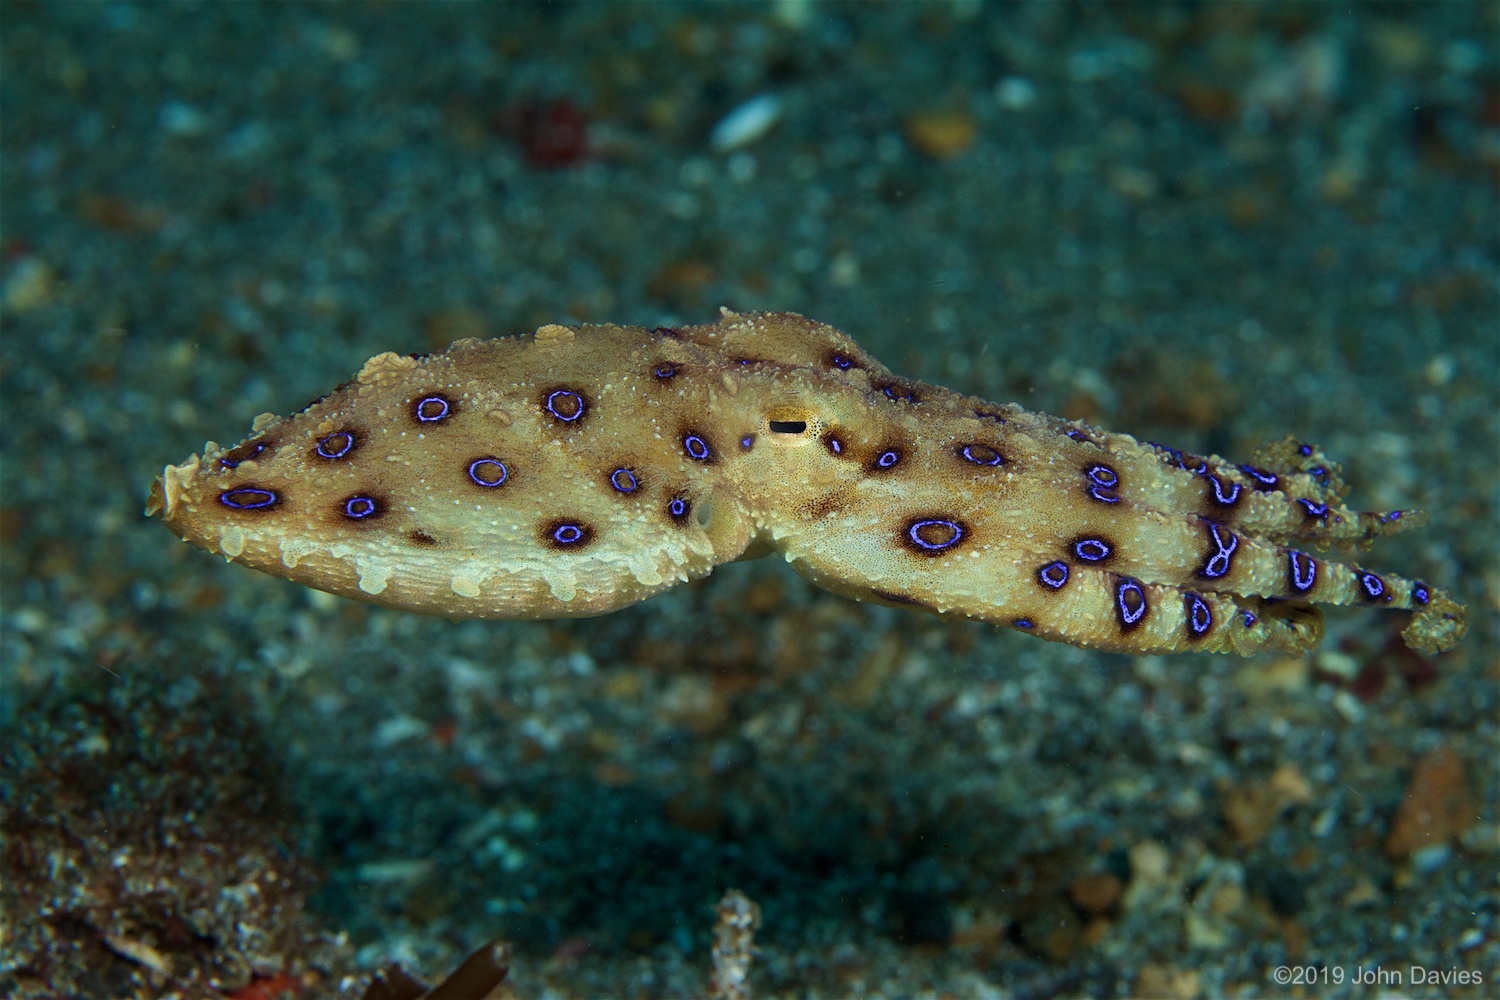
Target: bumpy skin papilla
{"x": 578, "y": 470}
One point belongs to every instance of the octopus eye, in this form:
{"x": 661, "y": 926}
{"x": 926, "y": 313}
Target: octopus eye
{"x": 488, "y": 472}
{"x": 249, "y": 498}
{"x": 623, "y": 480}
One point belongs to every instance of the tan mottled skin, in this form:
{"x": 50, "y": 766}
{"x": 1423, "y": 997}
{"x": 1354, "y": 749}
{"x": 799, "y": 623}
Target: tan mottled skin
{"x": 441, "y": 544}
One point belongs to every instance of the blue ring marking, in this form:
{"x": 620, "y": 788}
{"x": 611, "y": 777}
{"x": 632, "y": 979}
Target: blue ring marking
{"x": 565, "y": 394}
{"x": 1169, "y": 453}
{"x": 360, "y": 508}
{"x": 1304, "y": 450}
{"x": 249, "y": 498}
{"x": 1393, "y": 516}
{"x": 1374, "y": 587}
{"x": 234, "y": 463}
{"x": 331, "y": 447}
{"x": 567, "y": 534}
{"x": 1263, "y": 480}
{"x": 956, "y": 534}
{"x": 1222, "y": 561}
{"x": 623, "y": 480}
{"x": 697, "y": 449}
{"x": 664, "y": 372}
{"x": 904, "y": 396}
{"x": 1130, "y": 602}
{"x": 425, "y": 412}
{"x": 678, "y": 508}
{"x": 1092, "y": 549}
{"x": 481, "y": 467}
{"x": 1054, "y": 575}
{"x": 1220, "y": 486}
{"x": 1314, "y": 509}
{"x": 1078, "y": 435}
{"x": 1202, "y": 465}
{"x": 1419, "y": 592}
{"x": 835, "y": 445}
{"x": 841, "y": 360}
{"x": 1302, "y": 571}
{"x": 1248, "y": 616}
{"x": 981, "y": 454}
{"x": 888, "y": 459}
{"x": 1103, "y": 475}
{"x": 747, "y": 442}
{"x": 1103, "y": 495}
{"x": 1200, "y": 617}
{"x": 1024, "y": 623}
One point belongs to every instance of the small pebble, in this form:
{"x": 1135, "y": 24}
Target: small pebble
{"x": 941, "y": 134}
{"x": 1435, "y": 809}
{"x": 1426, "y": 860}
{"x": 182, "y": 119}
{"x": 746, "y": 124}
{"x": 30, "y": 286}
{"x": 1015, "y": 93}
{"x": 1168, "y": 982}
{"x": 1096, "y": 892}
